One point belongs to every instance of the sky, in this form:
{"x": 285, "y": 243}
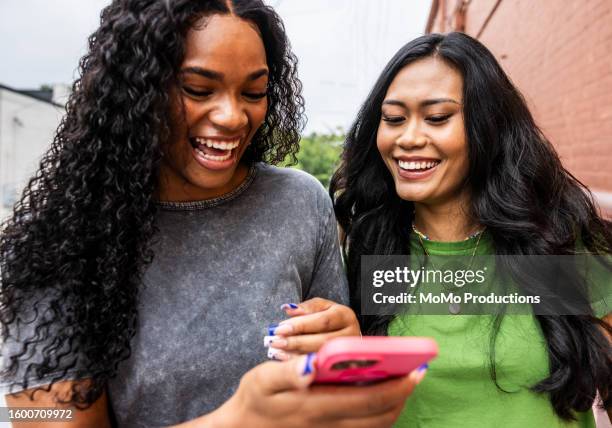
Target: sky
{"x": 341, "y": 45}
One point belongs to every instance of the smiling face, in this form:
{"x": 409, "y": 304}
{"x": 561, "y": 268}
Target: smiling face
{"x": 220, "y": 104}
{"x": 421, "y": 135}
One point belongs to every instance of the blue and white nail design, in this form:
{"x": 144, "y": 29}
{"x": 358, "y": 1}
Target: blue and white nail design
{"x": 272, "y": 329}
{"x": 308, "y": 366}
{"x": 269, "y": 339}
{"x": 275, "y": 354}
{"x": 285, "y": 306}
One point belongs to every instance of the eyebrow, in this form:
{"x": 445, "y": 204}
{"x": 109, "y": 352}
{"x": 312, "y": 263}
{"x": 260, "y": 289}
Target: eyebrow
{"x": 424, "y": 103}
{"x": 215, "y": 75}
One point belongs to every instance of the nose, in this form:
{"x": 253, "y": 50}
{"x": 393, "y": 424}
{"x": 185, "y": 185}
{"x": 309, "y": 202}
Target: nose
{"x": 412, "y": 137}
{"x": 229, "y": 115}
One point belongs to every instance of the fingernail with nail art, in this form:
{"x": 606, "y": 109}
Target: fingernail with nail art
{"x": 275, "y": 341}
{"x": 276, "y": 329}
{"x": 276, "y": 354}
{"x": 268, "y": 340}
{"x": 271, "y": 329}
{"x": 309, "y": 364}
{"x": 420, "y": 373}
{"x": 286, "y": 306}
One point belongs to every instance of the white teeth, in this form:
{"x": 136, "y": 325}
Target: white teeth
{"x": 212, "y": 157}
{"x": 229, "y": 145}
{"x": 414, "y": 166}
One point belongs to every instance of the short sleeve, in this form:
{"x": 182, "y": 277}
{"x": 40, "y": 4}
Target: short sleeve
{"x": 38, "y": 343}
{"x": 328, "y": 279}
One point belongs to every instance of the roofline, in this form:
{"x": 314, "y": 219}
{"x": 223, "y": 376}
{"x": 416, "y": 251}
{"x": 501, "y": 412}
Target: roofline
{"x": 17, "y": 91}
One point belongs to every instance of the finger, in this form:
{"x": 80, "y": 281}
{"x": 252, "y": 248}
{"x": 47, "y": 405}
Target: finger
{"x": 315, "y": 305}
{"x": 274, "y": 377}
{"x": 305, "y": 343}
{"x": 329, "y": 320}
{"x": 363, "y": 401}
{"x": 292, "y": 309}
{"x": 281, "y": 355}
{"x": 309, "y": 306}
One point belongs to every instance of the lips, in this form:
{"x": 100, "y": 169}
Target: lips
{"x": 215, "y": 153}
{"x": 416, "y": 168}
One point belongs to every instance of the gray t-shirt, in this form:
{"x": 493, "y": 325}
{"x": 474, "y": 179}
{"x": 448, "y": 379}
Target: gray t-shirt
{"x": 222, "y": 268}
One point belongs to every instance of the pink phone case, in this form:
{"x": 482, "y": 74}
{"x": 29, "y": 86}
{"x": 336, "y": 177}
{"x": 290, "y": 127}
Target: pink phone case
{"x": 371, "y": 358}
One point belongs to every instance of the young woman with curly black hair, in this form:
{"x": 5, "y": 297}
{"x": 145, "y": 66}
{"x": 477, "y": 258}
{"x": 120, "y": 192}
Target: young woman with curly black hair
{"x": 444, "y": 158}
{"x": 157, "y": 241}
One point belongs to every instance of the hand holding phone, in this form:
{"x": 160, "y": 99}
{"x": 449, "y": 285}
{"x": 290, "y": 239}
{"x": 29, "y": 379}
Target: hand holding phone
{"x": 371, "y": 358}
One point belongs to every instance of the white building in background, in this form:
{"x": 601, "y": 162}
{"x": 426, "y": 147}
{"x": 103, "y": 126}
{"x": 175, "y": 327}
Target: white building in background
{"x": 28, "y": 121}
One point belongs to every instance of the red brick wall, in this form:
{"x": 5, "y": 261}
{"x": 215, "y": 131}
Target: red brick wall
{"x": 559, "y": 54}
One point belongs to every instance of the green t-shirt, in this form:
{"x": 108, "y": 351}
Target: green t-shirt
{"x": 458, "y": 390}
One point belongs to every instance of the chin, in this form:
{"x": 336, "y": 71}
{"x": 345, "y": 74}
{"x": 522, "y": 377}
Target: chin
{"x": 212, "y": 181}
{"x": 412, "y": 194}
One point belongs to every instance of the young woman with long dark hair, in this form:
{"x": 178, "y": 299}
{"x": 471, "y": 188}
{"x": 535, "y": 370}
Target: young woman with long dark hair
{"x": 445, "y": 158}
{"x": 157, "y": 241}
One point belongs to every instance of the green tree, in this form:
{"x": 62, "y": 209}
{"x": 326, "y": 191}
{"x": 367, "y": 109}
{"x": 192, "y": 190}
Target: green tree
{"x": 319, "y": 155}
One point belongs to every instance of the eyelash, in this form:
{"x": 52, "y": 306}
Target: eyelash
{"x": 393, "y": 119}
{"x": 255, "y": 95}
{"x": 195, "y": 93}
{"x": 200, "y": 94}
{"x": 435, "y": 120}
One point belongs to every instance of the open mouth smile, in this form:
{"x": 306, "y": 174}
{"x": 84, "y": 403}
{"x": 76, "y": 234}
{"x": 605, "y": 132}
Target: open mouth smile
{"x": 215, "y": 153}
{"x": 416, "y": 168}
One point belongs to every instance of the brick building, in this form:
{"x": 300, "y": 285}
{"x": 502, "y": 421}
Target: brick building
{"x": 558, "y": 54}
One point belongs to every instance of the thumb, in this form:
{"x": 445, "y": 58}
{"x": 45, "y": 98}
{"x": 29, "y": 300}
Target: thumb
{"x": 274, "y": 377}
{"x": 310, "y": 306}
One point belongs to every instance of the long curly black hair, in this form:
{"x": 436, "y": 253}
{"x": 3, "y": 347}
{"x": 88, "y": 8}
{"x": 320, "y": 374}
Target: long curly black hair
{"x": 75, "y": 248}
{"x": 520, "y": 191}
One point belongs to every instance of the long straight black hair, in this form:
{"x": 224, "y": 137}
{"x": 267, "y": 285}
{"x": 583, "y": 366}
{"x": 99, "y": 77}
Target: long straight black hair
{"x": 528, "y": 202}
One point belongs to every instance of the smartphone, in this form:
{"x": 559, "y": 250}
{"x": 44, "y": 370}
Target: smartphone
{"x": 362, "y": 360}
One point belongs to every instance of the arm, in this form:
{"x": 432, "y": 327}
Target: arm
{"x": 97, "y": 415}
{"x": 280, "y": 394}
{"x": 270, "y": 395}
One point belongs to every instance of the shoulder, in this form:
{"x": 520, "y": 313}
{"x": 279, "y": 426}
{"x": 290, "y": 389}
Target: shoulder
{"x": 291, "y": 182}
{"x": 288, "y": 176}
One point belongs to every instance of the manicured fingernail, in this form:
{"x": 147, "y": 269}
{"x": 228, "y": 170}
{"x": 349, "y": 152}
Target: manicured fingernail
{"x": 275, "y": 354}
{"x": 420, "y": 373}
{"x": 308, "y": 365}
{"x": 423, "y": 367}
{"x": 276, "y": 341}
{"x": 272, "y": 329}
{"x": 282, "y": 329}
{"x": 289, "y": 306}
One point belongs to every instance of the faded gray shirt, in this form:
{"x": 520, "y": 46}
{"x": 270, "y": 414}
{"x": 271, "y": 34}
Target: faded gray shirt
{"x": 222, "y": 268}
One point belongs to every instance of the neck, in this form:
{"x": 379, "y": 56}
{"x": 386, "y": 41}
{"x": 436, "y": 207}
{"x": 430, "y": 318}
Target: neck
{"x": 172, "y": 187}
{"x": 446, "y": 223}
